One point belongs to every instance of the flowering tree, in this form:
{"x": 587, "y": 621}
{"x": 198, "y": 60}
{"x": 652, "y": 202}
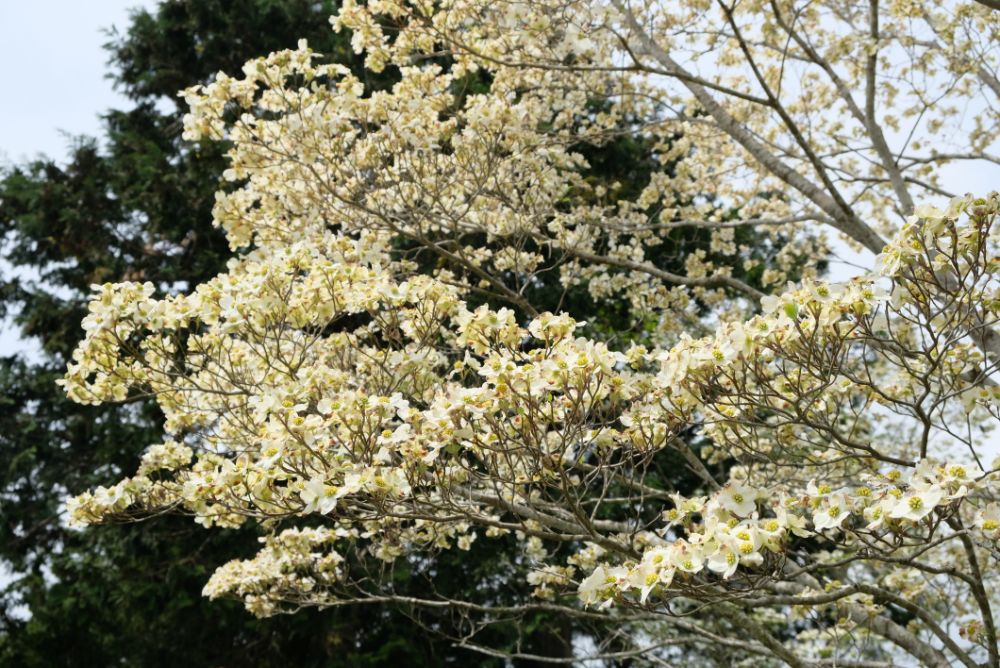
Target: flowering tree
{"x": 384, "y": 373}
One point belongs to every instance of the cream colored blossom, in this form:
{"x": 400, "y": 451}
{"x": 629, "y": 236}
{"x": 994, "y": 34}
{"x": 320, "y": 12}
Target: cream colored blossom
{"x": 391, "y": 356}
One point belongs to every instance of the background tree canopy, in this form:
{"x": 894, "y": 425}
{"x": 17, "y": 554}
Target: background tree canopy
{"x": 137, "y": 203}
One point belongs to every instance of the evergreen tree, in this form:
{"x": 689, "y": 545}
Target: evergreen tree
{"x": 137, "y": 204}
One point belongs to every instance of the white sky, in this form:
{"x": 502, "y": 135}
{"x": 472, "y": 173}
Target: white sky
{"x": 54, "y": 84}
{"x": 54, "y": 70}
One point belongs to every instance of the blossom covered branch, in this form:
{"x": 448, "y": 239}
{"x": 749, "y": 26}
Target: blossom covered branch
{"x": 395, "y": 363}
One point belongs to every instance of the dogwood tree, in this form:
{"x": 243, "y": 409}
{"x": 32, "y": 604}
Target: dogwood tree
{"x": 383, "y": 372}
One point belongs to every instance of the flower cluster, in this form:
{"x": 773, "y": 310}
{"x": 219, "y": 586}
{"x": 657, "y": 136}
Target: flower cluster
{"x": 294, "y": 562}
{"x": 740, "y": 524}
{"x": 397, "y": 357}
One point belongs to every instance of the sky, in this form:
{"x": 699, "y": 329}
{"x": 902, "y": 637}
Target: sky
{"x": 54, "y": 72}
{"x": 54, "y": 83}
